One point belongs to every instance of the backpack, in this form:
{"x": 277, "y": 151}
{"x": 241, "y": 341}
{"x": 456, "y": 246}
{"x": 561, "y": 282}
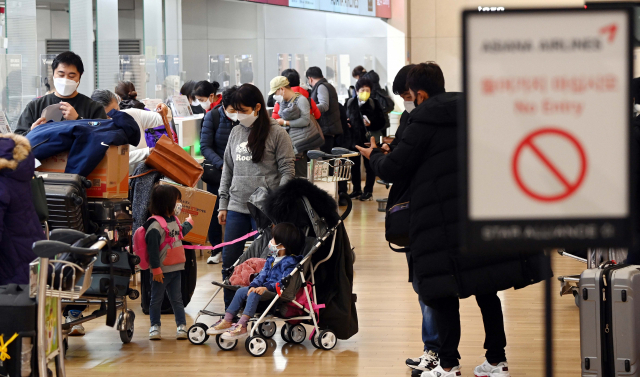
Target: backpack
{"x": 398, "y": 216}
{"x": 140, "y": 243}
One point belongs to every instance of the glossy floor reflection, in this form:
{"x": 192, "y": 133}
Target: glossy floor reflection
{"x": 389, "y": 319}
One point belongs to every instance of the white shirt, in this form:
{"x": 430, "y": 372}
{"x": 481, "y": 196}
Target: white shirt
{"x": 277, "y": 260}
{"x": 145, "y": 119}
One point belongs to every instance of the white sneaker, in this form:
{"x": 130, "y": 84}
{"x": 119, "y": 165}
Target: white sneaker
{"x": 427, "y": 361}
{"x": 488, "y": 370}
{"x": 182, "y": 332}
{"x": 155, "y": 333}
{"x": 215, "y": 259}
{"x": 77, "y": 330}
{"x": 439, "y": 372}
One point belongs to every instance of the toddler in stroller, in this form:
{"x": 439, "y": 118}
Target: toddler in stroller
{"x": 284, "y": 247}
{"x": 322, "y": 273}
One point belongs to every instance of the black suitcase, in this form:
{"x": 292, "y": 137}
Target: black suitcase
{"x": 113, "y": 220}
{"x": 188, "y": 279}
{"x": 18, "y": 313}
{"x": 67, "y": 201}
{"x": 123, "y": 269}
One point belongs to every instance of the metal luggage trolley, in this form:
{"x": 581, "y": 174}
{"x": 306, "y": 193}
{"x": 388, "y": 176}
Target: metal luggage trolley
{"x": 326, "y": 170}
{"x": 51, "y": 289}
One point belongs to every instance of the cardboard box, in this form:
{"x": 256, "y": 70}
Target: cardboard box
{"x": 110, "y": 179}
{"x": 199, "y": 204}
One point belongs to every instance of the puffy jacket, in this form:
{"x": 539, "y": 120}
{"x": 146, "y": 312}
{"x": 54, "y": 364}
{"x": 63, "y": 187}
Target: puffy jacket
{"x": 298, "y": 89}
{"x": 86, "y": 140}
{"x": 19, "y": 224}
{"x": 427, "y": 155}
{"x": 270, "y": 275}
{"x": 355, "y": 112}
{"x": 216, "y": 128}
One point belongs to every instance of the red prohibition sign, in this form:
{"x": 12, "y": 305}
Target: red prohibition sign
{"x": 569, "y": 186}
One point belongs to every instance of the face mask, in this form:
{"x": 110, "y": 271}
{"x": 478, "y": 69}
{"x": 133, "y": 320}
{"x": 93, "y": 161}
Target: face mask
{"x": 409, "y": 106}
{"x": 178, "y": 209}
{"x": 247, "y": 120}
{"x": 195, "y": 103}
{"x": 205, "y": 105}
{"x": 232, "y": 116}
{"x": 273, "y": 249}
{"x": 278, "y": 98}
{"x": 65, "y": 87}
{"x": 364, "y": 96}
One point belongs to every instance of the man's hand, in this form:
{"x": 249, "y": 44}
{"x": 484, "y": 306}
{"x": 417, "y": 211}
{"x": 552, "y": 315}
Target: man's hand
{"x": 280, "y": 121}
{"x": 38, "y": 122}
{"x": 258, "y": 290}
{"x": 366, "y": 152}
{"x": 68, "y": 111}
{"x": 159, "y": 278}
{"x": 222, "y": 217}
{"x": 366, "y": 122}
{"x": 385, "y": 148}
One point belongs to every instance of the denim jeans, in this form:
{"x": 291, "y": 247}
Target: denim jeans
{"x": 429, "y": 327}
{"x": 251, "y": 305}
{"x": 238, "y": 224}
{"x": 215, "y": 229}
{"x": 171, "y": 283}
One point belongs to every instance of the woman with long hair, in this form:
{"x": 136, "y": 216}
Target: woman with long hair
{"x": 259, "y": 154}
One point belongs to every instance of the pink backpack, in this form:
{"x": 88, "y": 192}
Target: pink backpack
{"x": 140, "y": 243}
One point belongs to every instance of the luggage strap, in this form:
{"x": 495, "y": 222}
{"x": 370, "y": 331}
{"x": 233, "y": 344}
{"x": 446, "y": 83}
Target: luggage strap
{"x": 218, "y": 246}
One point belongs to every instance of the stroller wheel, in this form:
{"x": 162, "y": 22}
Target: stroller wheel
{"x": 284, "y": 333}
{"x": 327, "y": 340}
{"x": 256, "y": 346}
{"x": 314, "y": 340}
{"x": 267, "y": 329}
{"x": 297, "y": 334}
{"x": 198, "y": 334}
{"x": 226, "y": 344}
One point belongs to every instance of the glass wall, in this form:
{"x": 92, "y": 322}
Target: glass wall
{"x": 11, "y": 85}
{"x": 46, "y": 74}
{"x": 220, "y": 70}
{"x": 133, "y": 68}
{"x": 81, "y": 40}
{"x": 244, "y": 69}
{"x": 107, "y": 43}
{"x": 152, "y": 22}
{"x": 21, "y": 37}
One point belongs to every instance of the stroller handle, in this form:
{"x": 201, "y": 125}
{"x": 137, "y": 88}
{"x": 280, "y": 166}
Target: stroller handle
{"x": 49, "y": 249}
{"x": 346, "y": 213}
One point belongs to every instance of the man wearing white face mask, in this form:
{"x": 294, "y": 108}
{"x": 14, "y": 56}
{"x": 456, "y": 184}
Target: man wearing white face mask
{"x": 67, "y": 71}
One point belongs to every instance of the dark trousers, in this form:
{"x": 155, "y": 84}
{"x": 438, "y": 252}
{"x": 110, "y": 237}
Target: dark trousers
{"x": 215, "y": 229}
{"x": 238, "y": 224}
{"x": 447, "y": 316}
{"x": 329, "y": 143}
{"x": 356, "y": 177}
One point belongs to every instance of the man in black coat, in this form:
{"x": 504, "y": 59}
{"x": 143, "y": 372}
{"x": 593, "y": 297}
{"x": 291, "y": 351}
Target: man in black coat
{"x": 428, "y": 156}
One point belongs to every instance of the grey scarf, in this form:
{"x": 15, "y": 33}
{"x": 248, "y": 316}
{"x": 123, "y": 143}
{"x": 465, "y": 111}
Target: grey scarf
{"x": 289, "y": 110}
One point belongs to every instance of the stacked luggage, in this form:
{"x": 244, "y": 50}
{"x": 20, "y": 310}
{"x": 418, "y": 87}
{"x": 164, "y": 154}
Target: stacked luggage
{"x": 610, "y": 319}
{"x": 67, "y": 201}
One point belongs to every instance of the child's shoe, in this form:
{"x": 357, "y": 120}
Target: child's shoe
{"x": 182, "y": 332}
{"x": 154, "y": 333}
{"x": 439, "y": 372}
{"x": 237, "y": 332}
{"x": 488, "y": 370}
{"x": 219, "y": 328}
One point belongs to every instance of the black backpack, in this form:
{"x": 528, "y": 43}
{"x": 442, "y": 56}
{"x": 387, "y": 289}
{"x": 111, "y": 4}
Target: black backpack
{"x": 398, "y": 215}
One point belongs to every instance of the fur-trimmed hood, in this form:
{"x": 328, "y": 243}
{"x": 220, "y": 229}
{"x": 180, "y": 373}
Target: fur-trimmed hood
{"x": 15, "y": 149}
{"x": 285, "y": 205}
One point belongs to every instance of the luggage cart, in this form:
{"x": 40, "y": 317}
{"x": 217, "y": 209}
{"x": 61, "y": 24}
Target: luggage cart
{"x": 326, "y": 170}
{"x": 49, "y": 313}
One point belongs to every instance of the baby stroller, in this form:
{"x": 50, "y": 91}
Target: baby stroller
{"x": 314, "y": 280}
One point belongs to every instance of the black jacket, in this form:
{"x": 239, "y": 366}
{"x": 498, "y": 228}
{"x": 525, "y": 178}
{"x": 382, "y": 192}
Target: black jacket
{"x": 334, "y": 277}
{"x": 428, "y": 156}
{"x": 344, "y": 140}
{"x": 404, "y": 118}
{"x": 355, "y": 112}
{"x": 216, "y": 128}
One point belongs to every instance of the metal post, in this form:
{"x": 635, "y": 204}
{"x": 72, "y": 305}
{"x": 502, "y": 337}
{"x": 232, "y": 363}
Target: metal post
{"x": 548, "y": 317}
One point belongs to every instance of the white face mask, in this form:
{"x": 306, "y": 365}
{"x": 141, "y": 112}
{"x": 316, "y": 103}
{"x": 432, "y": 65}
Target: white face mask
{"x": 65, "y": 87}
{"x": 278, "y": 97}
{"x": 247, "y": 120}
{"x": 273, "y": 249}
{"x": 232, "y": 116}
{"x": 409, "y": 106}
{"x": 178, "y": 209}
{"x": 195, "y": 103}
{"x": 205, "y": 105}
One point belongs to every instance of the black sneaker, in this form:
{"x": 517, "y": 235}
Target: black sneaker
{"x": 355, "y": 194}
{"x": 366, "y": 196}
